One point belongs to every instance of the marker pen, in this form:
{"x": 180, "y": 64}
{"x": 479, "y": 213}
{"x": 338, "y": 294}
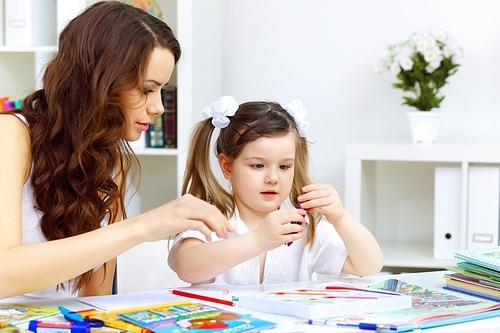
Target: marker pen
{"x": 45, "y": 326}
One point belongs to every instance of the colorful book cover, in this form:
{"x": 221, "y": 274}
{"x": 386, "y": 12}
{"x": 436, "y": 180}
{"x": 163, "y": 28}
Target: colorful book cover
{"x": 5, "y": 327}
{"x": 19, "y": 313}
{"x": 195, "y": 317}
{"x": 430, "y": 308}
{"x": 112, "y": 320}
{"x": 488, "y": 257}
{"x": 324, "y": 301}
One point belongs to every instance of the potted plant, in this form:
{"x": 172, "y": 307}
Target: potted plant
{"x": 422, "y": 65}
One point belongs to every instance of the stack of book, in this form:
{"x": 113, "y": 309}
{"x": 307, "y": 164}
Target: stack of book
{"x": 477, "y": 273}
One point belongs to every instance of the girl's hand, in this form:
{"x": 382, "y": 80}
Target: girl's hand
{"x": 276, "y": 230}
{"x": 323, "y": 199}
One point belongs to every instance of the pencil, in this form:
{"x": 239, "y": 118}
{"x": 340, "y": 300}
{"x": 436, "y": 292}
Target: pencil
{"x": 201, "y": 297}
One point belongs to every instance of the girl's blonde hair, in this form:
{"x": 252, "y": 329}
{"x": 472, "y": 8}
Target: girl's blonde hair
{"x": 251, "y": 121}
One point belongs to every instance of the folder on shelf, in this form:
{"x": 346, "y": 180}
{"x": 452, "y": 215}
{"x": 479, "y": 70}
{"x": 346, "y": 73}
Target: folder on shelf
{"x": 447, "y": 208}
{"x": 30, "y": 22}
{"x": 483, "y": 206}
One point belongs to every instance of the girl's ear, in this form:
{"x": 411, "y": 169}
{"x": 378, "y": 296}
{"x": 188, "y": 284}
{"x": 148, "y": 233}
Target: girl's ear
{"x": 225, "y": 165}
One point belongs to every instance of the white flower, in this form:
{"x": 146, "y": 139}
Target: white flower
{"x": 440, "y": 35}
{"x": 405, "y": 62}
{"x": 432, "y": 54}
{"x": 395, "y": 68}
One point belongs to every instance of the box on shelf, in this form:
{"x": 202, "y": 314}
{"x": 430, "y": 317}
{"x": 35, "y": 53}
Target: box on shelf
{"x": 30, "y": 22}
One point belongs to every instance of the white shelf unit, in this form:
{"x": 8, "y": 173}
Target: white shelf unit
{"x": 22, "y": 66}
{"x": 390, "y": 188}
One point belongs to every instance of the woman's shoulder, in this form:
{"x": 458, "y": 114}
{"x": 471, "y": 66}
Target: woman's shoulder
{"x": 13, "y": 128}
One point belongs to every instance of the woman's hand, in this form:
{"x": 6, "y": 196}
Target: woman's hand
{"x": 186, "y": 212}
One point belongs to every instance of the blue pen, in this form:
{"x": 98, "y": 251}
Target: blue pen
{"x": 362, "y": 326}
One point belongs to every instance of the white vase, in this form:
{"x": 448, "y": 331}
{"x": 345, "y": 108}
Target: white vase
{"x": 424, "y": 126}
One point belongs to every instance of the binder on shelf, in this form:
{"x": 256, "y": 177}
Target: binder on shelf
{"x": 169, "y": 99}
{"x": 30, "y": 22}
{"x": 447, "y": 209}
{"x": 483, "y": 206}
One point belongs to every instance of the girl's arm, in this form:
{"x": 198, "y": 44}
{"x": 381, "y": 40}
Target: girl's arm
{"x": 365, "y": 256}
{"x": 31, "y": 267}
{"x": 195, "y": 261}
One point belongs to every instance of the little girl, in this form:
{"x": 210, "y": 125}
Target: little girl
{"x": 262, "y": 150}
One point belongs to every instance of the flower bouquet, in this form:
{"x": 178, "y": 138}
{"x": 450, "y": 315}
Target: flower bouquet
{"x": 422, "y": 64}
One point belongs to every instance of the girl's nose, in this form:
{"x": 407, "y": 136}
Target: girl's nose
{"x": 271, "y": 178}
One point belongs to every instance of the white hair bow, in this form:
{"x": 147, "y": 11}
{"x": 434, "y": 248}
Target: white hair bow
{"x": 220, "y": 111}
{"x": 297, "y": 111}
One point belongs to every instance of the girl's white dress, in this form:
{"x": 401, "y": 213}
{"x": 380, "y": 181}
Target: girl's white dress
{"x": 285, "y": 263}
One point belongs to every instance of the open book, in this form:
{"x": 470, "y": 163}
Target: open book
{"x": 431, "y": 308}
{"x": 324, "y": 301}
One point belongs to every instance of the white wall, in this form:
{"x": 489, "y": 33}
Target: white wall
{"x": 324, "y": 52}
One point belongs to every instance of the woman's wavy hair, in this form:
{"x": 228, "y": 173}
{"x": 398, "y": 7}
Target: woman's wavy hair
{"x": 80, "y": 159}
{"x": 252, "y": 120}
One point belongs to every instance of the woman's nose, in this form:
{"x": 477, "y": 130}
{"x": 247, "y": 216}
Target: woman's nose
{"x": 156, "y": 105}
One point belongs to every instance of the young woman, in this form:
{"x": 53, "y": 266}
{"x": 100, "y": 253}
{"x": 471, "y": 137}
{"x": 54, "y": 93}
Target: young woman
{"x": 262, "y": 150}
{"x": 64, "y": 158}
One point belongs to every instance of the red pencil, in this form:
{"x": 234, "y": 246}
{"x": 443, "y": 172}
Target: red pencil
{"x": 201, "y": 297}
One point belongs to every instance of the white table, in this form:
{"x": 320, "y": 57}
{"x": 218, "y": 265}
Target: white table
{"x": 432, "y": 280}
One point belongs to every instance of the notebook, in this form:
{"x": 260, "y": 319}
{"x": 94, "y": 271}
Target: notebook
{"x": 488, "y": 257}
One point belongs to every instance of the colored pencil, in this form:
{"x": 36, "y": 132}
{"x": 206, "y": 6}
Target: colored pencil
{"x": 201, "y": 297}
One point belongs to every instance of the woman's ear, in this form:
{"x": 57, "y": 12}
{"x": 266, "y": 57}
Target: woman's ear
{"x": 225, "y": 165}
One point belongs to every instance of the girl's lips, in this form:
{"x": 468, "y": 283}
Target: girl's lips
{"x": 269, "y": 194}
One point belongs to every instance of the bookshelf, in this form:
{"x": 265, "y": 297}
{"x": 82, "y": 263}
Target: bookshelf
{"x": 390, "y": 188}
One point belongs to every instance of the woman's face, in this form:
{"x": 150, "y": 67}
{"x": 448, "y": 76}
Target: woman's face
{"x": 141, "y": 105}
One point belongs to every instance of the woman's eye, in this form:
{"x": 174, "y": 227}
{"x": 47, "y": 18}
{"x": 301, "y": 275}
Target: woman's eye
{"x": 148, "y": 91}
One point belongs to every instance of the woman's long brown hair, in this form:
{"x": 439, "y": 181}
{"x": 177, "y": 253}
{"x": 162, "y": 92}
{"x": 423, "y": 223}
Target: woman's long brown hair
{"x": 80, "y": 159}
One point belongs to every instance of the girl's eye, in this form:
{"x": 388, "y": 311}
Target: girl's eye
{"x": 257, "y": 166}
{"x": 284, "y": 167}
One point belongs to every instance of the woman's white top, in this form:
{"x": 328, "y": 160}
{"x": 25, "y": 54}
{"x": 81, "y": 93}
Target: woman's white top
{"x": 283, "y": 264}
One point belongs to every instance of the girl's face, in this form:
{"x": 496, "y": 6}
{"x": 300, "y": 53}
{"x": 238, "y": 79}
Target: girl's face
{"x": 262, "y": 175}
{"x": 140, "y": 105}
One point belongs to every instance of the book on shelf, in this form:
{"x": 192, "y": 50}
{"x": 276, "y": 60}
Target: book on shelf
{"x": 488, "y": 257}
{"x": 430, "y": 308}
{"x": 155, "y": 132}
{"x": 169, "y": 99}
{"x": 16, "y": 314}
{"x": 324, "y": 301}
{"x": 195, "y": 317}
